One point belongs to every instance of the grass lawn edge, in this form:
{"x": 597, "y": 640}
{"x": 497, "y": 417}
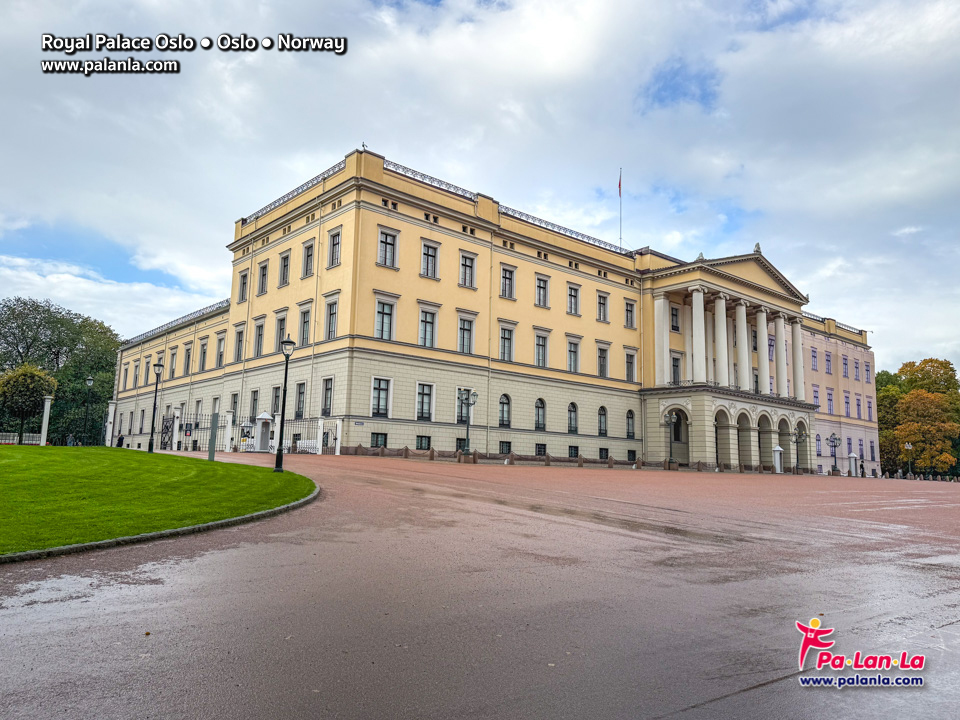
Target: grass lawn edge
{"x": 25, "y": 555}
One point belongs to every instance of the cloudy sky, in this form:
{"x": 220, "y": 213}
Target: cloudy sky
{"x": 828, "y": 131}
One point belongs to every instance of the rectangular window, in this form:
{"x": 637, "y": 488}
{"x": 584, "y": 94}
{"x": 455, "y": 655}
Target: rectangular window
{"x": 301, "y": 403}
{"x": 463, "y": 410}
{"x": 828, "y": 363}
{"x": 428, "y": 261}
{"x": 235, "y": 406}
{"x": 423, "y": 442}
{"x": 387, "y": 254}
{"x": 770, "y": 347}
{"x": 381, "y": 397}
{"x": 275, "y": 401}
{"x": 846, "y": 369}
{"x": 258, "y": 340}
{"x": 602, "y": 369}
{"x": 384, "y": 326}
{"x": 304, "y": 327}
{"x": 573, "y": 356}
{"x": 331, "y": 320}
{"x": 506, "y": 283}
{"x": 308, "y": 260}
{"x": 813, "y": 358}
{"x": 602, "y": 314}
{"x": 461, "y": 444}
{"x": 540, "y": 351}
{"x": 674, "y": 318}
{"x": 424, "y": 402}
{"x": 866, "y": 372}
{"x": 631, "y": 367}
{"x": 378, "y": 440}
{"x": 428, "y": 322}
{"x": 465, "y": 336}
{"x": 262, "y": 278}
{"x": 142, "y": 415}
{"x": 858, "y": 409}
{"x": 242, "y": 291}
{"x": 254, "y": 404}
{"x": 238, "y": 346}
{"x": 202, "y": 362}
{"x": 604, "y": 453}
{"x": 573, "y": 451}
{"x": 870, "y": 410}
{"x": 856, "y": 369}
{"x": 573, "y": 300}
{"x": 283, "y": 276}
{"x": 506, "y": 344}
{"x": 629, "y": 315}
{"x": 543, "y": 290}
{"x": 846, "y": 404}
{"x": 136, "y": 374}
{"x": 873, "y": 452}
{"x": 333, "y": 255}
{"x": 466, "y": 270}
{"x": 830, "y": 402}
{"x": 816, "y": 396}
{"x": 173, "y": 365}
{"x": 281, "y": 332}
{"x": 675, "y": 370}
{"x": 187, "y": 365}
{"x": 753, "y": 334}
{"x": 146, "y": 372}
{"x": 221, "y": 345}
{"x": 327, "y": 400}
{"x": 540, "y": 449}
{"x": 631, "y": 455}
{"x": 125, "y": 373}
{"x": 505, "y": 447}
{"x": 849, "y": 445}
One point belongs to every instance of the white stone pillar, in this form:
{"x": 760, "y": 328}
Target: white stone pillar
{"x": 47, "y": 399}
{"x": 799, "y": 388}
{"x": 229, "y": 430}
{"x": 339, "y": 436}
{"x": 780, "y": 354}
{"x": 175, "y": 438}
{"x": 744, "y": 367}
{"x": 730, "y": 353}
{"x": 687, "y": 342}
{"x": 708, "y": 326}
{"x": 720, "y": 339}
{"x": 659, "y": 319}
{"x": 111, "y": 414}
{"x": 763, "y": 352}
{"x": 699, "y": 336}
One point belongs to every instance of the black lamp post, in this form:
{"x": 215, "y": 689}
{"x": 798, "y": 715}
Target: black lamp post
{"x": 834, "y": 442}
{"x": 86, "y": 412}
{"x": 469, "y": 399}
{"x": 286, "y": 346}
{"x": 157, "y": 370}
{"x": 670, "y": 419}
{"x": 798, "y": 437}
{"x": 908, "y": 447}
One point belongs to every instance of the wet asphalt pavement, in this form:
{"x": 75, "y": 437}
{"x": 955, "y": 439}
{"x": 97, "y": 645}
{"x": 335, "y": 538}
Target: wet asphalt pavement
{"x": 431, "y": 590}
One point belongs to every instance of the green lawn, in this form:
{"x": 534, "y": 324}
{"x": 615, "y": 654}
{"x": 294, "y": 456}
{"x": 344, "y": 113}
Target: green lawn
{"x": 52, "y": 496}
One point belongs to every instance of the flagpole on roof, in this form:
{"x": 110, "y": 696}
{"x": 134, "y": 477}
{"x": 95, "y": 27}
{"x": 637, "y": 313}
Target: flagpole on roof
{"x": 620, "y": 193}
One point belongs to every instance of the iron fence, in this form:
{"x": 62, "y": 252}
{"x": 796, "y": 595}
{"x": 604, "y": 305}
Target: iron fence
{"x": 193, "y": 433}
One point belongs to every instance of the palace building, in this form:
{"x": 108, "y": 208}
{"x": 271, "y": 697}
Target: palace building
{"x": 402, "y": 290}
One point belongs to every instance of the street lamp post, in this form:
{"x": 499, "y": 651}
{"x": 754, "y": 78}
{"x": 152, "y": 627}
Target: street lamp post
{"x": 908, "y": 447}
{"x": 834, "y": 442}
{"x": 469, "y": 399}
{"x": 286, "y": 346}
{"x": 797, "y": 437}
{"x": 86, "y": 412}
{"x": 157, "y": 371}
{"x": 670, "y": 419}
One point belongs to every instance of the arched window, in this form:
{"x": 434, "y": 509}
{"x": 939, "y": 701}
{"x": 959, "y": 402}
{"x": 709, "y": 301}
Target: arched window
{"x": 540, "y": 415}
{"x": 602, "y": 422}
{"x": 572, "y": 418}
{"x": 818, "y": 446}
{"x": 505, "y": 411}
{"x": 630, "y": 433}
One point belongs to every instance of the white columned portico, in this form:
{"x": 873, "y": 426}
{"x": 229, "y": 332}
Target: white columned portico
{"x": 763, "y": 352}
{"x": 687, "y": 342}
{"x": 708, "y": 326}
{"x": 780, "y": 354}
{"x": 743, "y": 347}
{"x": 798, "y": 386}
{"x": 699, "y": 336}
{"x": 659, "y": 327}
{"x": 720, "y": 338}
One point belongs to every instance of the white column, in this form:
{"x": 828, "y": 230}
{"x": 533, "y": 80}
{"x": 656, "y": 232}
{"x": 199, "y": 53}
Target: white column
{"x": 699, "y": 336}
{"x": 665, "y": 341}
{"x": 229, "y": 430}
{"x": 687, "y": 342}
{"x": 744, "y": 368}
{"x": 798, "y": 387}
{"x": 780, "y": 354}
{"x": 763, "y": 352}
{"x": 175, "y": 438}
{"x": 339, "y": 432}
{"x": 659, "y": 319}
{"x": 708, "y": 326}
{"x": 730, "y": 353}
{"x": 47, "y": 399}
{"x": 111, "y": 414}
{"x": 720, "y": 338}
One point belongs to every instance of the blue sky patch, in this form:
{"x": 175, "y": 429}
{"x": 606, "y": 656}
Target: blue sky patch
{"x": 676, "y": 81}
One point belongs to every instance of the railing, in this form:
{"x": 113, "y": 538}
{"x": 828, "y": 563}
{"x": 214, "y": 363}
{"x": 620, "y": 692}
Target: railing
{"x": 546, "y": 224}
{"x": 849, "y": 328}
{"x": 429, "y": 179}
{"x": 811, "y": 316}
{"x": 296, "y": 191}
{"x": 219, "y": 305}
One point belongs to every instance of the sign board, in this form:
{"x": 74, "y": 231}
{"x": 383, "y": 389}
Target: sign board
{"x": 187, "y": 428}
{"x": 358, "y": 423}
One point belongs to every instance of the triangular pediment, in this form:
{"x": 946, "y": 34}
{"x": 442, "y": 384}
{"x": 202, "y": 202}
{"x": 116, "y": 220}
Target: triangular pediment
{"x": 752, "y": 269}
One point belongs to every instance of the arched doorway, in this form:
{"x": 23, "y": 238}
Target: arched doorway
{"x": 804, "y": 454}
{"x": 678, "y": 436}
{"x": 785, "y": 440}
{"x": 745, "y": 441}
{"x": 768, "y": 438}
{"x": 727, "y": 444}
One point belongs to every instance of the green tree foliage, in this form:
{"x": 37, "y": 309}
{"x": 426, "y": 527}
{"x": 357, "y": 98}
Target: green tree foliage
{"x": 69, "y": 346}
{"x": 885, "y": 378}
{"x": 932, "y": 375}
{"x": 22, "y": 392}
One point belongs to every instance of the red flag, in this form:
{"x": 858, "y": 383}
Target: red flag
{"x": 620, "y": 185}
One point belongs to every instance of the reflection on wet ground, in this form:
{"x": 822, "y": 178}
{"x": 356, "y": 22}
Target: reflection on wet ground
{"x": 433, "y": 590}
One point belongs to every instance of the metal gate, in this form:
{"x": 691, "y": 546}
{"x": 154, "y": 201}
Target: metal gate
{"x": 166, "y": 432}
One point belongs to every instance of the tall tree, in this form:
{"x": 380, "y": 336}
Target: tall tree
{"x": 22, "y": 392}
{"x": 925, "y": 423}
{"x": 885, "y": 378}
{"x": 931, "y": 374}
